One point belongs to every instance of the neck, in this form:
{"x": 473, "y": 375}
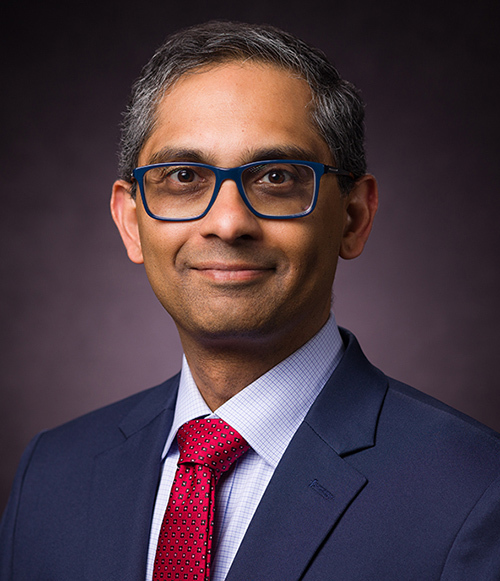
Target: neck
{"x": 221, "y": 369}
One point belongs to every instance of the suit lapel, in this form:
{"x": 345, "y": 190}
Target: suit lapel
{"x": 124, "y": 485}
{"x": 314, "y": 484}
{"x": 308, "y": 493}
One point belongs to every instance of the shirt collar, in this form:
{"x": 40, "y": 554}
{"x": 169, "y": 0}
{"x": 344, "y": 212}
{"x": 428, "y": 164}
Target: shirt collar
{"x": 268, "y": 412}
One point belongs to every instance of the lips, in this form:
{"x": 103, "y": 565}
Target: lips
{"x": 232, "y": 272}
{"x": 229, "y": 266}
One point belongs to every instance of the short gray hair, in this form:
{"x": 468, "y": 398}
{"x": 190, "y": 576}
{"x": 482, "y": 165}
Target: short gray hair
{"x": 337, "y": 112}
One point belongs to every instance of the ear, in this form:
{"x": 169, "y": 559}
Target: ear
{"x": 361, "y": 206}
{"x": 124, "y": 212}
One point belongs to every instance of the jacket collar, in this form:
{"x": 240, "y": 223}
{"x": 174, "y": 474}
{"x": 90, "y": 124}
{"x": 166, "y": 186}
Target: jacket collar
{"x": 345, "y": 414}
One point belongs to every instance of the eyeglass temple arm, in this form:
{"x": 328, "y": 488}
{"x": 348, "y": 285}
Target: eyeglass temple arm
{"x": 339, "y": 172}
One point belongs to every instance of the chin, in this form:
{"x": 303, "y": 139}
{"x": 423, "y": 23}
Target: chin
{"x": 226, "y": 326}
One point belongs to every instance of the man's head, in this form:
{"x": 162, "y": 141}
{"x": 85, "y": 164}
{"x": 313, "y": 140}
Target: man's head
{"x": 232, "y": 278}
{"x": 336, "y": 109}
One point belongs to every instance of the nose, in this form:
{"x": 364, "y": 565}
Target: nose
{"x": 229, "y": 218}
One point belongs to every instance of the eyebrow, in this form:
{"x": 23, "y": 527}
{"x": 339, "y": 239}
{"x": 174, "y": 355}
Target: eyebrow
{"x": 167, "y": 154}
{"x": 170, "y": 154}
{"x": 281, "y": 152}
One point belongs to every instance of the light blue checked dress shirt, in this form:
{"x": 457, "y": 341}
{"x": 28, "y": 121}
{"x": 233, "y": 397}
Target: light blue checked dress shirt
{"x": 267, "y": 413}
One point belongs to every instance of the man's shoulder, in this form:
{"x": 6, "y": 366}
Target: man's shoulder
{"x": 404, "y": 407}
{"x": 110, "y": 424}
{"x": 437, "y": 448}
{"x": 401, "y": 426}
{"x": 436, "y": 418}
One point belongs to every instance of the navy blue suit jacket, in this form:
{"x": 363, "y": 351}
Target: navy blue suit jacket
{"x": 380, "y": 482}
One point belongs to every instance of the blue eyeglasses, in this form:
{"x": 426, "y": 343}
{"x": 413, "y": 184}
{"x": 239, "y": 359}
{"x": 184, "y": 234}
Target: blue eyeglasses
{"x": 276, "y": 189}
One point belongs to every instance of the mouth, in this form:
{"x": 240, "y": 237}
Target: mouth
{"x": 232, "y": 272}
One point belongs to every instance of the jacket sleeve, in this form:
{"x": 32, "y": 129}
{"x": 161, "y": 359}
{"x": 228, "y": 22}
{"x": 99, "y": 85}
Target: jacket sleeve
{"x": 475, "y": 553}
{"x": 9, "y": 523}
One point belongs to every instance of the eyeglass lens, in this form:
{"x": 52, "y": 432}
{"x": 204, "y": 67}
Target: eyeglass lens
{"x": 185, "y": 191}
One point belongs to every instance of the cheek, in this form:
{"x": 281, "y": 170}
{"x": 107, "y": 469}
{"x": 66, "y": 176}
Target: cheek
{"x": 160, "y": 240}
{"x": 313, "y": 246}
{"x": 161, "y": 243}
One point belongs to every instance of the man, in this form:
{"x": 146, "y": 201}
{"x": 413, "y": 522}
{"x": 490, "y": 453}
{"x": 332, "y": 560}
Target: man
{"x": 242, "y": 181}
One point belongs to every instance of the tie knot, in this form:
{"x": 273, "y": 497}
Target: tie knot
{"x": 212, "y": 443}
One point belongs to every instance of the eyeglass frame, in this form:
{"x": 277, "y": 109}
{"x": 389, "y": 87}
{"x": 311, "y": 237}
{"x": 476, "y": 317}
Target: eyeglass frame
{"x": 234, "y": 174}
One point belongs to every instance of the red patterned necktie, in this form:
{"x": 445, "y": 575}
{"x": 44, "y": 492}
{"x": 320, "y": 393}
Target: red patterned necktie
{"x": 207, "y": 450}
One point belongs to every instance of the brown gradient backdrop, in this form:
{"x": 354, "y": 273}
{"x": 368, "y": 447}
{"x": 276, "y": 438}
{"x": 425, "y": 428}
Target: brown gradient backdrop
{"x": 80, "y": 325}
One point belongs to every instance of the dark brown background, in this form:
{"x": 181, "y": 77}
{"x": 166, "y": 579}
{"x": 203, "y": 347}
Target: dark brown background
{"x": 79, "y": 325}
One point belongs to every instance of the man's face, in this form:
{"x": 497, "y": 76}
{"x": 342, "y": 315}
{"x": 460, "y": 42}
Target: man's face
{"x": 231, "y": 276}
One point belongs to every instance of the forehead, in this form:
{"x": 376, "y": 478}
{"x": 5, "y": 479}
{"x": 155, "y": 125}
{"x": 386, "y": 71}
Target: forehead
{"x": 233, "y": 107}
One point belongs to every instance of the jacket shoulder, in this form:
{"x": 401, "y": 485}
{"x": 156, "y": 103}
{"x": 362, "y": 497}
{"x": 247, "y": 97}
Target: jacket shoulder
{"x": 438, "y": 417}
{"x": 109, "y": 425}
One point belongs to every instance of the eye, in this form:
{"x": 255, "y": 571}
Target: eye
{"x": 183, "y": 175}
{"x": 276, "y": 176}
